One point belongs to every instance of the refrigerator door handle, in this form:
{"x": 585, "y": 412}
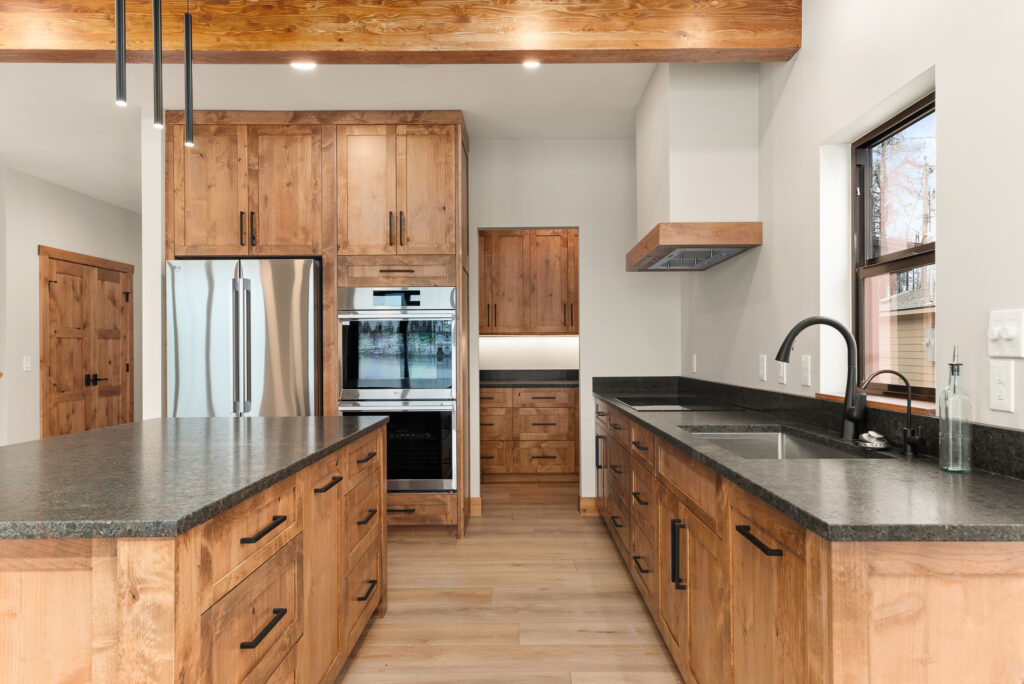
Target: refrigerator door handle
{"x": 236, "y": 346}
{"x": 247, "y": 289}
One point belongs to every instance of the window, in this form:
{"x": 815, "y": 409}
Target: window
{"x": 894, "y": 251}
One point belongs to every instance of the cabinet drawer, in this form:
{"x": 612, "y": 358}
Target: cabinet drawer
{"x": 363, "y": 590}
{"x": 496, "y": 423}
{"x": 423, "y": 270}
{"x": 644, "y": 563}
{"x": 247, "y": 634}
{"x": 619, "y": 518}
{"x": 545, "y": 457}
{"x": 240, "y": 539}
{"x": 546, "y": 397}
{"x": 641, "y": 443}
{"x": 495, "y": 396}
{"x": 643, "y": 500}
{"x": 618, "y": 427}
{"x": 495, "y": 457}
{"x": 533, "y": 424}
{"x": 361, "y": 456}
{"x": 618, "y": 465}
{"x": 701, "y": 485}
{"x": 362, "y": 513}
{"x": 423, "y": 509}
{"x": 602, "y": 412}
{"x": 288, "y": 671}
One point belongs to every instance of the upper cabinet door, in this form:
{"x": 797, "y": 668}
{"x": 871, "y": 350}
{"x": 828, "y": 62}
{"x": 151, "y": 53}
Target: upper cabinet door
{"x": 367, "y": 215}
{"x": 209, "y": 213}
{"x": 548, "y": 281}
{"x": 573, "y": 280}
{"x": 509, "y": 254}
{"x": 284, "y": 190}
{"x": 426, "y": 189}
{"x": 486, "y": 269}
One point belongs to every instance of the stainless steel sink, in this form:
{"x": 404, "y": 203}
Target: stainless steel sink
{"x": 777, "y": 446}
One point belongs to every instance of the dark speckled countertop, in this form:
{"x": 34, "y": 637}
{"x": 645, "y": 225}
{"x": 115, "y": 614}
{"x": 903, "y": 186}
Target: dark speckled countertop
{"x": 529, "y": 378}
{"x": 855, "y": 499}
{"x": 157, "y": 478}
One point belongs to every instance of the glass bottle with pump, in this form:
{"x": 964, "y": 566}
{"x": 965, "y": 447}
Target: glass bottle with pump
{"x": 955, "y": 422}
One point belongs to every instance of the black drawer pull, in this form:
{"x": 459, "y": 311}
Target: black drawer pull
{"x": 334, "y": 480}
{"x": 597, "y": 451}
{"x": 676, "y": 579}
{"x": 616, "y": 426}
{"x": 601, "y": 414}
{"x": 367, "y": 519}
{"x": 543, "y": 457}
{"x": 274, "y": 522}
{"x": 543, "y": 424}
{"x": 279, "y": 614}
{"x": 551, "y": 398}
{"x": 616, "y": 469}
{"x": 764, "y": 548}
{"x": 396, "y": 270}
{"x": 368, "y": 458}
{"x": 639, "y": 446}
{"x": 486, "y": 398}
{"x": 636, "y": 495}
{"x": 410, "y": 509}
{"x": 615, "y": 521}
{"x": 636, "y": 562}
{"x": 486, "y": 458}
{"x": 366, "y": 596}
{"x": 486, "y": 424}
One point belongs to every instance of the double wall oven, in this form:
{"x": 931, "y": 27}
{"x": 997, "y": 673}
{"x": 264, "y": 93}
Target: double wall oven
{"x": 397, "y": 358}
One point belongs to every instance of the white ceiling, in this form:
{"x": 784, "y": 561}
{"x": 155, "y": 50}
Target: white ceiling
{"x": 58, "y": 121}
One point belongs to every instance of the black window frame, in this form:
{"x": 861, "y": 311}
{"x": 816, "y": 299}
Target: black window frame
{"x": 864, "y": 267}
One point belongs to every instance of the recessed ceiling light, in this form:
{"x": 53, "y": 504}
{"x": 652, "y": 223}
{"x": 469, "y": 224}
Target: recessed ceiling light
{"x": 304, "y": 66}
{"x": 531, "y": 64}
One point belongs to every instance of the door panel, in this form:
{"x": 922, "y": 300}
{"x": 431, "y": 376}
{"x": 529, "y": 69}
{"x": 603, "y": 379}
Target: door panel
{"x": 108, "y": 402}
{"x": 708, "y": 614}
{"x": 67, "y": 348}
{"x": 426, "y": 189}
{"x": 572, "y": 280}
{"x": 284, "y": 189}
{"x": 672, "y": 597}
{"x": 367, "y": 215}
{"x": 508, "y": 256}
{"x": 549, "y": 295}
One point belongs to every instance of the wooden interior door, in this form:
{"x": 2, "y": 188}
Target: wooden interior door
{"x": 210, "y": 192}
{"x": 284, "y": 190}
{"x": 548, "y": 282}
{"x": 86, "y": 339}
{"x": 508, "y": 272}
{"x": 367, "y": 215}
{"x": 426, "y": 189}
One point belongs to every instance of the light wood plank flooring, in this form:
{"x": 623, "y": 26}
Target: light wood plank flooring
{"x": 534, "y": 593}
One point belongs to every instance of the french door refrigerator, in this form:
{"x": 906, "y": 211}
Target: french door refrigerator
{"x": 243, "y": 337}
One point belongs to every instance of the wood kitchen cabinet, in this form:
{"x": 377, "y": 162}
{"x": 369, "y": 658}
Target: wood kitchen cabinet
{"x": 504, "y": 257}
{"x": 528, "y": 432}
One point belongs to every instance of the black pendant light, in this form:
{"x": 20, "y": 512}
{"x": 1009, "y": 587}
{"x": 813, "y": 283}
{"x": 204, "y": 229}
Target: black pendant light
{"x": 121, "y": 98}
{"x": 188, "y": 78}
{"x": 158, "y": 66}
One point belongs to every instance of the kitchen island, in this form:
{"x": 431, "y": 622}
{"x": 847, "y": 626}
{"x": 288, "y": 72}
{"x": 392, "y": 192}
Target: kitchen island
{"x": 192, "y": 549}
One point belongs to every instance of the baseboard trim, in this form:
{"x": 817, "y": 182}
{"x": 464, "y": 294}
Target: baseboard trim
{"x": 476, "y": 507}
{"x": 588, "y": 506}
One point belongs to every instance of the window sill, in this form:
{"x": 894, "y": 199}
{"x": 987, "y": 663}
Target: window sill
{"x": 918, "y": 408}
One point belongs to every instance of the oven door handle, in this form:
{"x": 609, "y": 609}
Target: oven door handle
{"x": 395, "y": 316}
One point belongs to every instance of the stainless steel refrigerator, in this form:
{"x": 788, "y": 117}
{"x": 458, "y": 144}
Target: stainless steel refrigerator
{"x": 243, "y": 337}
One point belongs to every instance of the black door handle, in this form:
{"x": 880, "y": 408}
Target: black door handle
{"x": 252, "y": 227}
{"x": 366, "y": 596}
{"x": 88, "y": 380}
{"x": 366, "y": 459}
{"x": 636, "y": 562}
{"x": 279, "y": 613}
{"x": 677, "y": 525}
{"x": 274, "y": 522}
{"x": 639, "y": 446}
{"x": 401, "y": 227}
{"x": 334, "y": 480}
{"x": 597, "y": 451}
{"x": 636, "y": 495}
{"x": 391, "y": 229}
{"x": 564, "y": 310}
{"x": 615, "y": 522}
{"x": 616, "y": 469}
{"x": 94, "y": 379}
{"x": 764, "y": 548}
{"x": 367, "y": 519}
{"x": 241, "y": 228}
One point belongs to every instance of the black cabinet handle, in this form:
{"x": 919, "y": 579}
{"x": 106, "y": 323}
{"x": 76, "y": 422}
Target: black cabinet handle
{"x": 241, "y": 228}
{"x": 616, "y": 469}
{"x": 639, "y": 446}
{"x": 367, "y": 519}
{"x": 572, "y": 319}
{"x": 601, "y": 414}
{"x": 252, "y": 227}
{"x": 615, "y": 521}
{"x": 495, "y": 315}
{"x": 486, "y": 424}
{"x": 410, "y": 509}
{"x": 489, "y": 398}
{"x": 549, "y": 398}
{"x": 334, "y": 480}
{"x": 486, "y": 458}
{"x": 274, "y": 522}
{"x": 544, "y": 457}
{"x": 564, "y": 309}
{"x": 94, "y": 379}
{"x": 366, "y": 459}
{"x": 391, "y": 229}
{"x": 366, "y": 596}
{"x": 677, "y": 525}
{"x": 615, "y": 426}
{"x": 396, "y": 270}
{"x": 401, "y": 227}
{"x": 636, "y": 495}
{"x": 636, "y": 562}
{"x": 488, "y": 315}
{"x": 543, "y": 424}
{"x": 764, "y": 548}
{"x": 279, "y": 613}
{"x": 597, "y": 451}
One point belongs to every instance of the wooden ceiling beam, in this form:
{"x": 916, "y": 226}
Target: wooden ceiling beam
{"x": 410, "y": 31}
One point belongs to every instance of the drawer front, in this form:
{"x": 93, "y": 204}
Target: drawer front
{"x": 363, "y": 590}
{"x": 495, "y": 396}
{"x": 545, "y": 457}
{"x": 361, "y": 456}
{"x": 619, "y": 519}
{"x": 701, "y": 485}
{"x": 546, "y": 397}
{"x": 288, "y": 671}
{"x": 363, "y": 513}
{"x": 618, "y": 427}
{"x": 240, "y": 539}
{"x": 423, "y": 509}
{"x": 641, "y": 443}
{"x": 643, "y": 501}
{"x": 533, "y": 424}
{"x": 644, "y": 563}
{"x": 396, "y": 271}
{"x": 618, "y": 465}
{"x": 496, "y": 423}
{"x": 601, "y": 412}
{"x": 247, "y": 634}
{"x": 496, "y": 457}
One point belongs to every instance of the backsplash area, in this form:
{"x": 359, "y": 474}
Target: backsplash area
{"x": 997, "y": 450}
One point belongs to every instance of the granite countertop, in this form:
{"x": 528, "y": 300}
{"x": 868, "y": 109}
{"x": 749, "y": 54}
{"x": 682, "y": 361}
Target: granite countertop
{"x": 157, "y": 478}
{"x": 484, "y": 384}
{"x": 855, "y": 499}
{"x": 529, "y": 378}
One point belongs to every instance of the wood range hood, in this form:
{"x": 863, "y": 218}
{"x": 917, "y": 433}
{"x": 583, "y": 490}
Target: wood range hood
{"x": 692, "y": 246}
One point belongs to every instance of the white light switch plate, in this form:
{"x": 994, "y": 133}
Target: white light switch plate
{"x": 805, "y": 370}
{"x": 26, "y": 364}
{"x": 1000, "y": 385}
{"x": 1006, "y": 333}
{"x": 693, "y": 363}
{"x": 781, "y": 370}
{"x": 762, "y": 367}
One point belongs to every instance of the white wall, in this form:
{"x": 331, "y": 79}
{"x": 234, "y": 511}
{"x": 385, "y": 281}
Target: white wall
{"x": 6, "y": 380}
{"x": 629, "y": 322}
{"x": 652, "y": 153}
{"x": 42, "y": 213}
{"x": 852, "y": 71}
{"x": 529, "y": 352}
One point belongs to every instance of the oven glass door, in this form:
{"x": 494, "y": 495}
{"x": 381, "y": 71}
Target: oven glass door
{"x": 396, "y": 354}
{"x": 420, "y": 449}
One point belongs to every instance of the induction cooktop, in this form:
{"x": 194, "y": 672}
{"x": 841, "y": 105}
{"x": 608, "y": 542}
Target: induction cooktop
{"x": 674, "y": 403}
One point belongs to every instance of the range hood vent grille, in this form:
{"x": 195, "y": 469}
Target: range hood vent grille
{"x": 691, "y": 246}
{"x": 694, "y": 258}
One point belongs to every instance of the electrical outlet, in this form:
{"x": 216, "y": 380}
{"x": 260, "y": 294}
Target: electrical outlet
{"x": 1000, "y": 385}
{"x": 805, "y": 370}
{"x": 26, "y": 364}
{"x": 762, "y": 367}
{"x": 693, "y": 363}
{"x": 781, "y": 368}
